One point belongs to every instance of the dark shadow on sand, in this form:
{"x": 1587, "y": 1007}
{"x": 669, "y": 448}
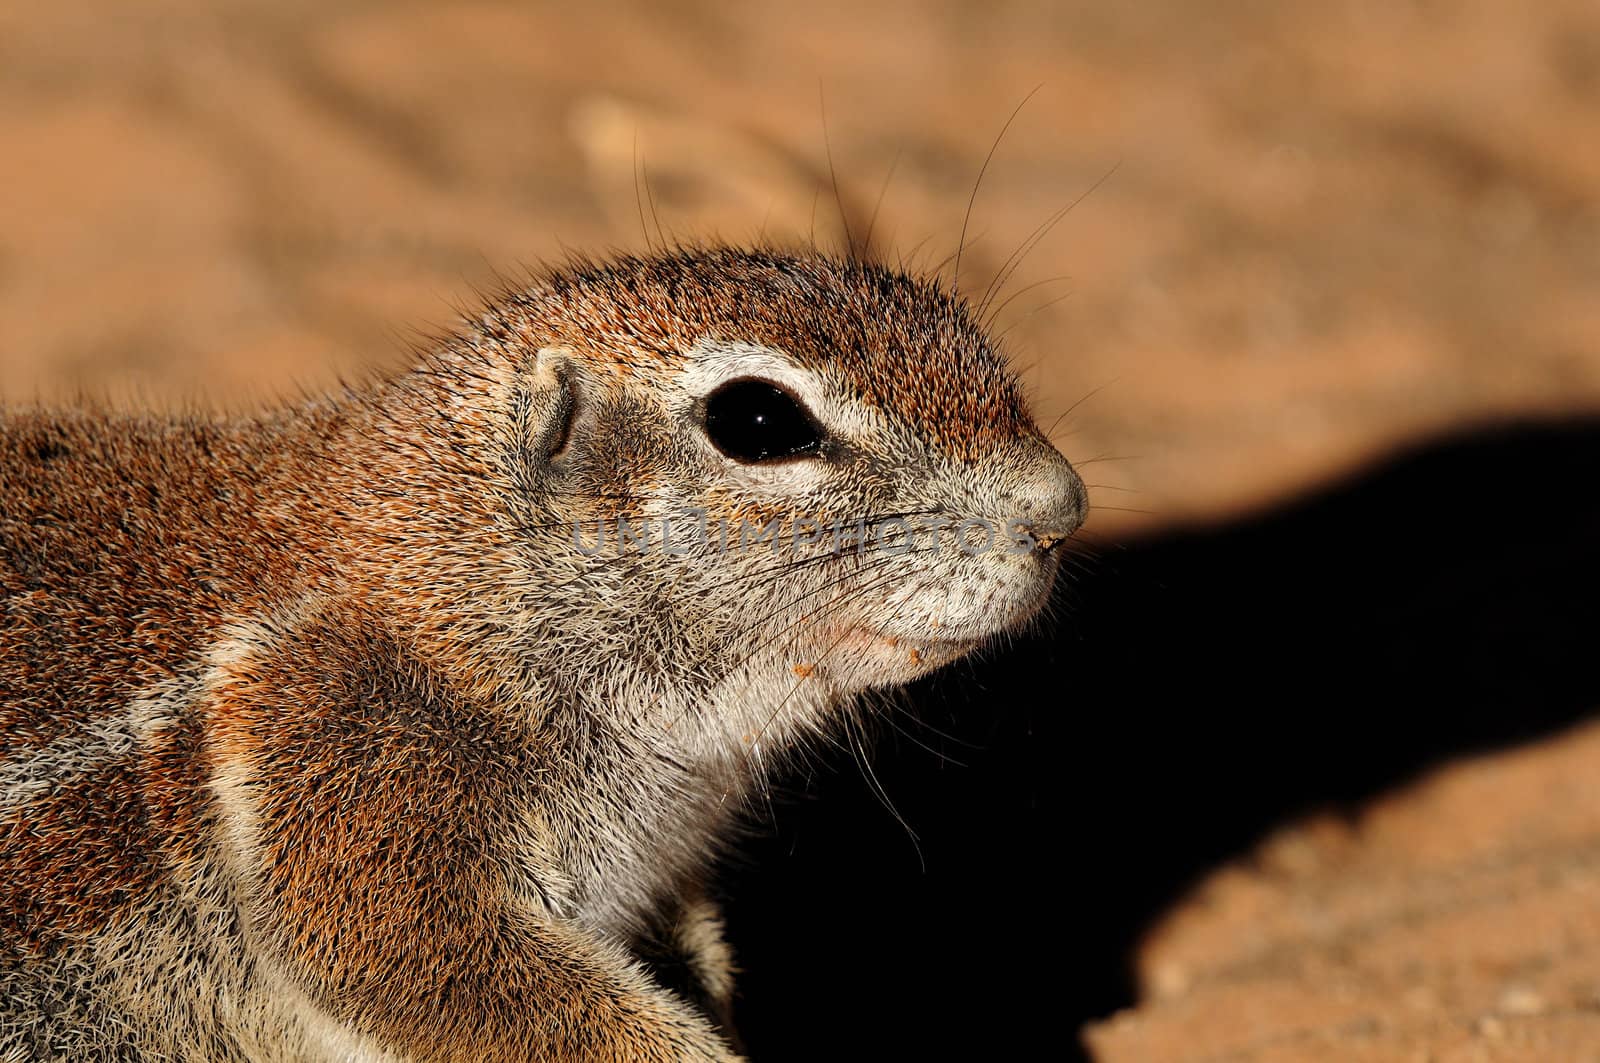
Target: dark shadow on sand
{"x": 1205, "y": 686}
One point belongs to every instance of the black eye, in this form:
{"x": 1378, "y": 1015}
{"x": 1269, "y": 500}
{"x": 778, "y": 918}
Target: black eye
{"x": 751, "y": 420}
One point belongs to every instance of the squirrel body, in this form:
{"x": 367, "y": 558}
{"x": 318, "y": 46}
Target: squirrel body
{"x": 322, "y": 737}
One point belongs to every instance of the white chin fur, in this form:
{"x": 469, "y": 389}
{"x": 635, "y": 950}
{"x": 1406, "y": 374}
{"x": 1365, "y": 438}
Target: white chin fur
{"x": 866, "y": 660}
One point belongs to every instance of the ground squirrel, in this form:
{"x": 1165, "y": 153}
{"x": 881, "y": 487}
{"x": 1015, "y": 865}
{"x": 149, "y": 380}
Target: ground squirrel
{"x": 404, "y": 723}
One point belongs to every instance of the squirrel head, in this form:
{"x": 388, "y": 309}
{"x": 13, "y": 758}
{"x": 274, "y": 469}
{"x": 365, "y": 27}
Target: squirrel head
{"x": 761, "y": 472}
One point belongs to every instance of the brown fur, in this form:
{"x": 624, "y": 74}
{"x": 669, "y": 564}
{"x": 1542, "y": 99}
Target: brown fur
{"x": 319, "y": 740}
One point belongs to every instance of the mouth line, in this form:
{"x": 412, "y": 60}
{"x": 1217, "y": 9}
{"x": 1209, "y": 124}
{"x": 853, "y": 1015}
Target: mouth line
{"x": 901, "y": 655}
{"x": 923, "y": 643}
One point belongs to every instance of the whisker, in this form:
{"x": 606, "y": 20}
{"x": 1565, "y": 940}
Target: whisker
{"x": 1014, "y": 261}
{"x": 784, "y": 567}
{"x": 1068, "y": 411}
{"x": 638, "y": 198}
{"x": 833, "y": 176}
{"x": 650, "y": 196}
{"x": 888, "y": 718}
{"x": 864, "y": 762}
{"x": 946, "y": 735}
{"x": 988, "y": 323}
{"x": 872, "y": 222}
{"x": 826, "y": 653}
{"x": 1036, "y": 310}
{"x": 1107, "y": 457}
{"x": 955, "y": 280}
{"x": 804, "y": 618}
{"x": 876, "y": 566}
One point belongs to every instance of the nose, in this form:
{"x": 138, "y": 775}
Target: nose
{"x": 1055, "y": 501}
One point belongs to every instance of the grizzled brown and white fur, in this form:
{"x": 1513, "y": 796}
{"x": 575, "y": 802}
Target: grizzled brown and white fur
{"x": 322, "y": 739}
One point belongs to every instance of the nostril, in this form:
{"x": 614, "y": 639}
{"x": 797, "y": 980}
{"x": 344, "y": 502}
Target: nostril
{"x": 1045, "y": 541}
{"x": 1059, "y": 506}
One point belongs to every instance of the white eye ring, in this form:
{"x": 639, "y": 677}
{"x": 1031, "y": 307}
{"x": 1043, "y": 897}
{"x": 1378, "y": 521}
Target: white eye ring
{"x": 711, "y": 364}
{"x": 714, "y": 364}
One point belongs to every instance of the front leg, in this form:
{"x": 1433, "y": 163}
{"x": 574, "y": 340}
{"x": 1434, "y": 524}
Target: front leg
{"x": 689, "y": 955}
{"x": 366, "y": 810}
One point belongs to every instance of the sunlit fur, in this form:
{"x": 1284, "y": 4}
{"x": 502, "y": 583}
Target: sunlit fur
{"x": 322, "y": 739}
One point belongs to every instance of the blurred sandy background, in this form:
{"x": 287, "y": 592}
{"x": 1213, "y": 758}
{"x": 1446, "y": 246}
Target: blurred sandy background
{"x": 1330, "y": 228}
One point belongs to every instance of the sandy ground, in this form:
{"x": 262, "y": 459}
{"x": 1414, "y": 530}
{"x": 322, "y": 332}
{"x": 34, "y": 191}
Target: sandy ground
{"x": 1454, "y": 922}
{"x": 1306, "y": 233}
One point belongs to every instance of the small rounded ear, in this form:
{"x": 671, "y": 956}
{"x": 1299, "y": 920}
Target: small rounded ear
{"x": 544, "y": 407}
